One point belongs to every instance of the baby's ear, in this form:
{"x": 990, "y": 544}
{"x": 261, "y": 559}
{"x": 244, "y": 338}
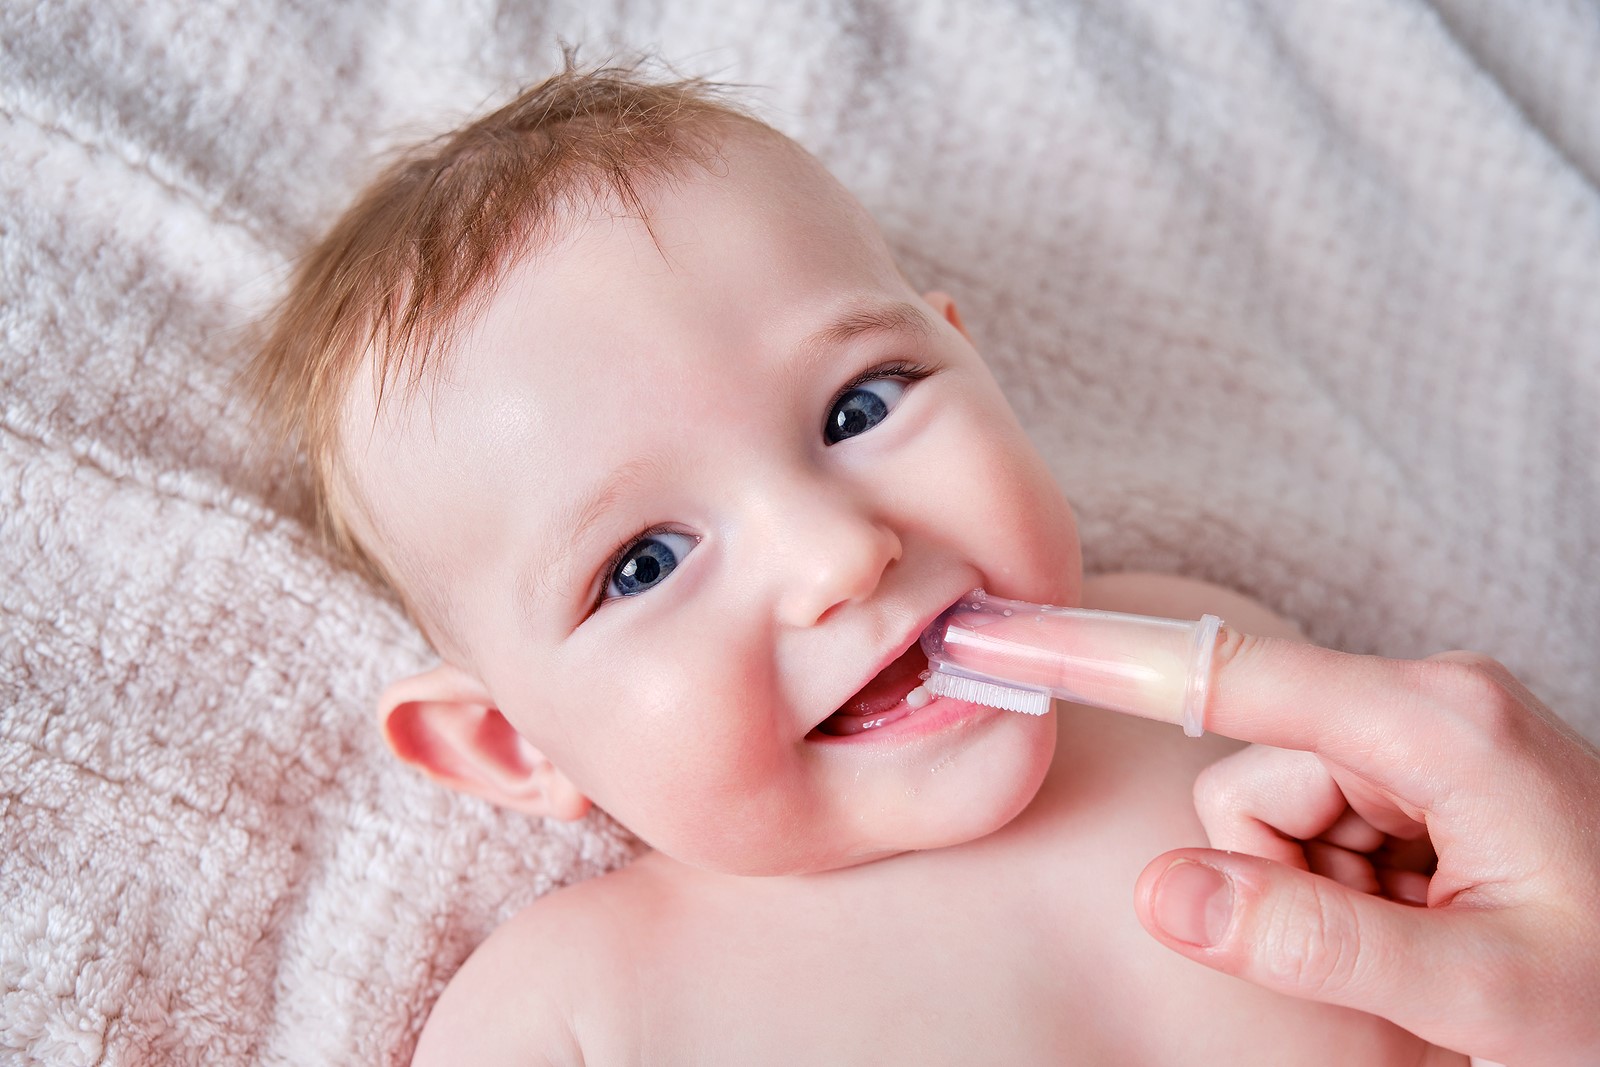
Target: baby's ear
{"x": 444, "y": 723}
{"x": 945, "y": 305}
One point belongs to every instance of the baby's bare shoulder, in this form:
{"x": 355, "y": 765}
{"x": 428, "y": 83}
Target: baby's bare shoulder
{"x": 529, "y": 993}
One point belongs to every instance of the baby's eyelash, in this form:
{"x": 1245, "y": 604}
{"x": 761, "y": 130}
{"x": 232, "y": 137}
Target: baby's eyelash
{"x": 900, "y": 368}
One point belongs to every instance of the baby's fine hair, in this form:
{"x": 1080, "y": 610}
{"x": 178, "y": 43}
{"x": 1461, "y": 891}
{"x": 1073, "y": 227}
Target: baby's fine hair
{"x": 417, "y": 253}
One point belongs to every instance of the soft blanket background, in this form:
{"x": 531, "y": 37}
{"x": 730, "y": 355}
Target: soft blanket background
{"x": 1300, "y": 297}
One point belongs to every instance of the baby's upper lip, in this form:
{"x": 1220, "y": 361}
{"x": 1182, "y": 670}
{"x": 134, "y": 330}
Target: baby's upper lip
{"x": 895, "y": 652}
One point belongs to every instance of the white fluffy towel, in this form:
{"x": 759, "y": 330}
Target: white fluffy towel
{"x": 1299, "y": 297}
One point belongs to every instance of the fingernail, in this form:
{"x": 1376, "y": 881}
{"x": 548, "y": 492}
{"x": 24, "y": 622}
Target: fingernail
{"x": 1194, "y": 903}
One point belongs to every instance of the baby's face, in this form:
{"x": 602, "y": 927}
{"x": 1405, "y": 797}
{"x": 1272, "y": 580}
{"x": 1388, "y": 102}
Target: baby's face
{"x": 689, "y": 501}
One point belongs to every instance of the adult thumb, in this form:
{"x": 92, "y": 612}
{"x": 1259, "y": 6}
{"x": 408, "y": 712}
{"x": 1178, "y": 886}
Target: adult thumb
{"x": 1308, "y": 936}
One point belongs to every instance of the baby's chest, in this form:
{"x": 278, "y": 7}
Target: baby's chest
{"x": 1038, "y": 960}
{"x": 946, "y": 996}
{"x": 975, "y": 995}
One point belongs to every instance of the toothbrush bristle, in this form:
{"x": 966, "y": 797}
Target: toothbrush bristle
{"x": 1027, "y": 701}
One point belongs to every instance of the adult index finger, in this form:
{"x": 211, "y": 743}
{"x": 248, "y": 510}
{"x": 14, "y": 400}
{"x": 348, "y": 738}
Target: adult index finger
{"x": 1381, "y": 718}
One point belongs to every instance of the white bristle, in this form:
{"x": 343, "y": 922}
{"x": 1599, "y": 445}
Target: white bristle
{"x": 1027, "y": 701}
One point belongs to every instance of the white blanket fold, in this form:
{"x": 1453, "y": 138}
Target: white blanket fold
{"x": 1297, "y": 297}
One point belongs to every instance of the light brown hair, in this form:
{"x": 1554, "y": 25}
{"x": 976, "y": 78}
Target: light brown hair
{"x": 412, "y": 258}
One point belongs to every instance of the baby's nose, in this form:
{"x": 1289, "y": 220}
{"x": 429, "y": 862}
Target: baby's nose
{"x": 839, "y": 555}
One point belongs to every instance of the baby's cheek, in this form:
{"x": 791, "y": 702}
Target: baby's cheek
{"x": 1047, "y": 531}
{"x": 709, "y": 724}
{"x": 1027, "y": 537}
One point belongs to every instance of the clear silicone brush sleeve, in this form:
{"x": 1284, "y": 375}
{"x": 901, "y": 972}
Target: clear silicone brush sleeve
{"x": 1142, "y": 665}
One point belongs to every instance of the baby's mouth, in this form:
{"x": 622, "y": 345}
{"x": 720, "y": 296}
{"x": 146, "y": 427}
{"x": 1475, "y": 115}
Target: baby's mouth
{"x": 882, "y": 700}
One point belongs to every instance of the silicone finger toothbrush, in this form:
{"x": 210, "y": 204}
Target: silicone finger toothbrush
{"x": 1017, "y": 656}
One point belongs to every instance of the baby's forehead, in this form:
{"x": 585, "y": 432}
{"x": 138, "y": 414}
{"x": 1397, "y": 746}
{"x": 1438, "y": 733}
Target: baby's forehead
{"x": 597, "y": 271}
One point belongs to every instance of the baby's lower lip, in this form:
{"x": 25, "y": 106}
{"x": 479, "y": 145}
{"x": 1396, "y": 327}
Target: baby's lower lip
{"x": 837, "y": 725}
{"x": 906, "y": 725}
{"x": 882, "y": 700}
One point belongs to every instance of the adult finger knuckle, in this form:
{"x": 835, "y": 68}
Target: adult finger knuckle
{"x": 1467, "y": 657}
{"x": 1471, "y": 688}
{"x": 1313, "y": 941}
{"x": 1216, "y": 791}
{"x": 1223, "y": 813}
{"x": 1238, "y": 783}
{"x": 1466, "y": 662}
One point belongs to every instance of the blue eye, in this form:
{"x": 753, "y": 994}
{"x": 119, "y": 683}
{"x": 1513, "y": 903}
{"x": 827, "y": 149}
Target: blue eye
{"x": 862, "y": 408}
{"x": 647, "y": 562}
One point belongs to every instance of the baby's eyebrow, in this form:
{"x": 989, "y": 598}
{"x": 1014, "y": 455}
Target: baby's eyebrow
{"x": 900, "y": 317}
{"x": 860, "y": 319}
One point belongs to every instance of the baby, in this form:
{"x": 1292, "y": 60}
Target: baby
{"x": 627, "y": 400}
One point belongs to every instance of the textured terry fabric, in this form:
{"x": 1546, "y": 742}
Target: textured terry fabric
{"x": 1297, "y": 297}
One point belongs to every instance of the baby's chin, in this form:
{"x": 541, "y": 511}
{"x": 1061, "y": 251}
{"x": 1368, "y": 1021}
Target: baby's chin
{"x": 964, "y": 798}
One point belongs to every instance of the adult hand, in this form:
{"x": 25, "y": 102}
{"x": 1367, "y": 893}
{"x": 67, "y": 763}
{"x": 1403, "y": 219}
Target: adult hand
{"x": 1495, "y": 951}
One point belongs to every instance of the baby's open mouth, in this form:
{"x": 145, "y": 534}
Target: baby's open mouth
{"x": 882, "y": 700}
